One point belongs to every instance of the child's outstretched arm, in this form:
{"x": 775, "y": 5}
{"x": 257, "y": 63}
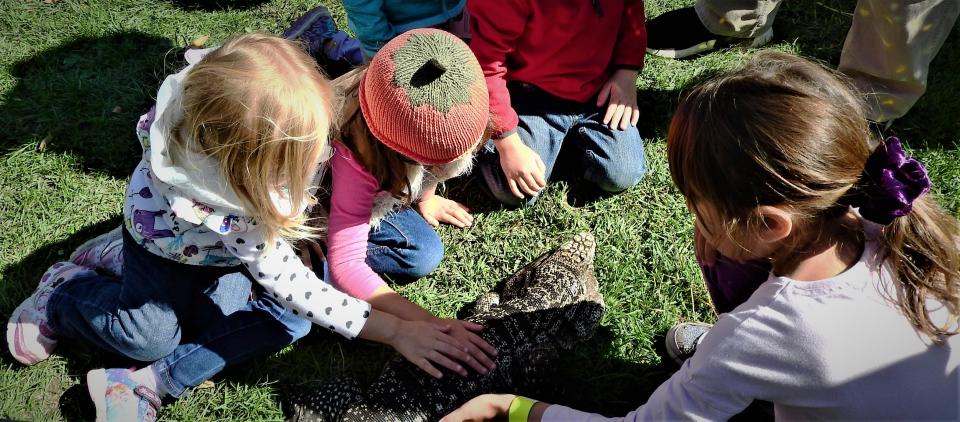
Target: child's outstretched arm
{"x": 278, "y": 269}
{"x": 351, "y": 205}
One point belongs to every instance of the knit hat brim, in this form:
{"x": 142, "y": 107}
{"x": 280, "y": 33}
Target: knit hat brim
{"x": 427, "y": 153}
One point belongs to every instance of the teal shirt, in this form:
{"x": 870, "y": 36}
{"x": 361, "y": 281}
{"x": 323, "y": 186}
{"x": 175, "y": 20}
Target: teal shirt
{"x": 375, "y": 22}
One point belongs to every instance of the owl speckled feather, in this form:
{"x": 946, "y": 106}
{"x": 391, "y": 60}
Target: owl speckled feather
{"x": 546, "y": 307}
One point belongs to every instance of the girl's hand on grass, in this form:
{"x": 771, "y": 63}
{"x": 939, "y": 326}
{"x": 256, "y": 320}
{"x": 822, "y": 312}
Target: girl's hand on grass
{"x": 427, "y": 343}
{"x": 480, "y": 352}
{"x": 521, "y": 165}
{"x": 620, "y": 95}
{"x": 437, "y": 209}
{"x": 482, "y": 408}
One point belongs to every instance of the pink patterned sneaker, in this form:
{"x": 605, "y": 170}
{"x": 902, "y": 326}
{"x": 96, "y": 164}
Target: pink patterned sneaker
{"x": 29, "y": 338}
{"x": 104, "y": 252}
{"x": 119, "y": 398}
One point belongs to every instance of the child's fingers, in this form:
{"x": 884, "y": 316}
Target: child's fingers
{"x": 481, "y": 343}
{"x": 439, "y": 359}
{"x": 617, "y": 115}
{"x": 431, "y": 220}
{"x": 530, "y": 180}
{"x": 480, "y": 353}
{"x": 538, "y": 176}
{"x": 627, "y": 115}
{"x": 451, "y": 218}
{"x": 462, "y": 216}
{"x": 612, "y": 108}
{"x": 477, "y": 361}
{"x": 636, "y": 117}
{"x": 427, "y": 367}
{"x": 543, "y": 169}
{"x": 513, "y": 188}
{"x": 522, "y": 182}
{"x": 472, "y": 326}
{"x": 446, "y": 352}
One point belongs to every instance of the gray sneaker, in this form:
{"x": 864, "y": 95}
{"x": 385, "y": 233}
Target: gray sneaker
{"x": 683, "y": 338}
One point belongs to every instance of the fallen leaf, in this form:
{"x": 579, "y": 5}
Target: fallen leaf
{"x": 118, "y": 109}
{"x": 206, "y": 384}
{"x": 42, "y": 146}
{"x": 199, "y": 41}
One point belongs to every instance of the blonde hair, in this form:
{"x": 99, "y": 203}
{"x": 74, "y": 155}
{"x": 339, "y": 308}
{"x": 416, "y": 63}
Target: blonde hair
{"x": 788, "y": 132}
{"x": 262, "y": 108}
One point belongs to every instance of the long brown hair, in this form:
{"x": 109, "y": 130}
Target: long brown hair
{"x": 261, "y": 107}
{"x": 784, "y": 131}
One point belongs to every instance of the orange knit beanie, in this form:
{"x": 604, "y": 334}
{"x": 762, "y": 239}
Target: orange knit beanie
{"x": 424, "y": 96}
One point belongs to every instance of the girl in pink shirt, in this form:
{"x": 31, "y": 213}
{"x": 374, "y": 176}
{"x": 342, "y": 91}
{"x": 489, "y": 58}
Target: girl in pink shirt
{"x": 413, "y": 118}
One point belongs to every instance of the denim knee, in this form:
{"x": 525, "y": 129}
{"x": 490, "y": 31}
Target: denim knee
{"x": 148, "y": 348}
{"x": 617, "y": 176}
{"x": 424, "y": 258}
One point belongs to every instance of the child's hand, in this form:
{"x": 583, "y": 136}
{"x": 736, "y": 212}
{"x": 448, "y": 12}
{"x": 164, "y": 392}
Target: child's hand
{"x": 521, "y": 165}
{"x": 620, "y": 92}
{"x": 482, "y": 408}
{"x": 478, "y": 348}
{"x": 427, "y": 343}
{"x": 437, "y": 209}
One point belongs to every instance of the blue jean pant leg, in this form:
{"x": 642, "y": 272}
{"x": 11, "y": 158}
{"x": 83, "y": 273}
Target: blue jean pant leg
{"x": 404, "y": 247}
{"x": 139, "y": 316}
{"x": 226, "y": 295}
{"x": 613, "y": 159}
{"x": 262, "y": 327}
{"x": 544, "y": 121}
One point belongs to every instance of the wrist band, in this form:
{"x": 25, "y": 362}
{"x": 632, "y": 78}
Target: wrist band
{"x": 520, "y": 409}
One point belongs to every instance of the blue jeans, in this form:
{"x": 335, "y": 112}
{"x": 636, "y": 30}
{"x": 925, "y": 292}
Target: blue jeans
{"x": 192, "y": 320}
{"x": 405, "y": 247}
{"x": 610, "y": 160}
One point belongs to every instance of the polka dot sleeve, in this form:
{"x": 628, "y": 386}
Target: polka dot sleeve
{"x": 278, "y": 269}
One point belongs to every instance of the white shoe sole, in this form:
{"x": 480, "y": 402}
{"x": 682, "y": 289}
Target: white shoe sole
{"x": 758, "y": 41}
{"x": 97, "y": 388}
{"x": 671, "y": 346}
{"x": 32, "y": 357}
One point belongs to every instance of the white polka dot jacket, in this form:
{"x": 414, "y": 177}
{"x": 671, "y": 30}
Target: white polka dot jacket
{"x": 188, "y": 213}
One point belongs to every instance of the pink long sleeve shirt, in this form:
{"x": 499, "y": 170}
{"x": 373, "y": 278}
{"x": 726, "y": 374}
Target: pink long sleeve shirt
{"x": 351, "y": 205}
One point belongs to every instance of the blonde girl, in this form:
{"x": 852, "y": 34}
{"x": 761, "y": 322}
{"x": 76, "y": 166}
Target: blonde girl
{"x": 229, "y": 153}
{"x": 413, "y": 118}
{"x": 858, "y": 318}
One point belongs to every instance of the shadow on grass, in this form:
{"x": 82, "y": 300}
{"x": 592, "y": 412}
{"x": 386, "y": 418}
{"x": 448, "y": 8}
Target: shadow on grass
{"x": 84, "y": 98}
{"x": 215, "y": 5}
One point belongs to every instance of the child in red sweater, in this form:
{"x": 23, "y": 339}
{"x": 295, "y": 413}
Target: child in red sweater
{"x": 562, "y": 79}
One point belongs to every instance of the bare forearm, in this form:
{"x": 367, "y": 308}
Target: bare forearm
{"x": 389, "y": 301}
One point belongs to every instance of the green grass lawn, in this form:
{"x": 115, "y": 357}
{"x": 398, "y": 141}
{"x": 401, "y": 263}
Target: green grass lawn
{"x": 76, "y": 74}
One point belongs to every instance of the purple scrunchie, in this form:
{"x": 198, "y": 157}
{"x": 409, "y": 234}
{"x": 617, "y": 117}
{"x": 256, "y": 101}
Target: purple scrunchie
{"x": 891, "y": 181}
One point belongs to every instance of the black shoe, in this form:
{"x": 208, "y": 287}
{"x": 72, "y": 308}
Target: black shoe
{"x": 680, "y": 33}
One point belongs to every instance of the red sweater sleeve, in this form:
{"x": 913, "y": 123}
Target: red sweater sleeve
{"x": 495, "y": 25}
{"x": 632, "y": 38}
